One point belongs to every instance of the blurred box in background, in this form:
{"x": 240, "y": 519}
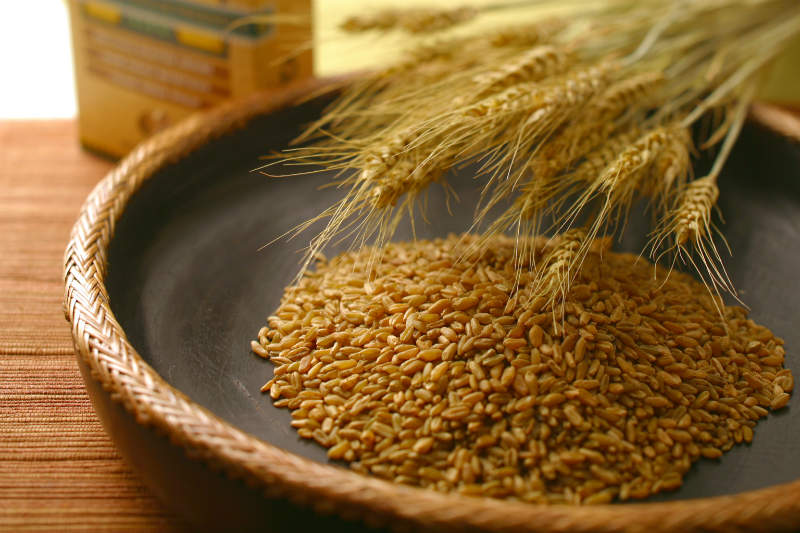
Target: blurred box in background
{"x": 782, "y": 84}
{"x": 141, "y": 65}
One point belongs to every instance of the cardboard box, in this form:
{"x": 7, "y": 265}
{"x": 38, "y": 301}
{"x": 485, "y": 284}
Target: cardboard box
{"x": 782, "y": 84}
{"x": 141, "y": 65}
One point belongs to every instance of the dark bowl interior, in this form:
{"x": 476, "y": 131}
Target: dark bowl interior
{"x": 191, "y": 288}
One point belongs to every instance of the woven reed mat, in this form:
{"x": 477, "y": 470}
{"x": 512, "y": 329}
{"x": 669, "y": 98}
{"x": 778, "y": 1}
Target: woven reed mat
{"x": 58, "y": 469}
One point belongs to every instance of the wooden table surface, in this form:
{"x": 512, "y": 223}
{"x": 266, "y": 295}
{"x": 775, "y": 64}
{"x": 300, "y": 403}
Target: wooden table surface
{"x": 58, "y": 469}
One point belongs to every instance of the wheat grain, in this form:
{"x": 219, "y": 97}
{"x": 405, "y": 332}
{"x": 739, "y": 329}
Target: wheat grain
{"x": 427, "y": 371}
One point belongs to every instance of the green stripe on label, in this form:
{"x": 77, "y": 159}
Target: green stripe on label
{"x": 209, "y": 17}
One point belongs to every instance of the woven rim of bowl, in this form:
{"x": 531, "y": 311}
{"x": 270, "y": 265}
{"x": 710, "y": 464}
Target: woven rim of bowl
{"x": 780, "y": 119}
{"x": 102, "y": 344}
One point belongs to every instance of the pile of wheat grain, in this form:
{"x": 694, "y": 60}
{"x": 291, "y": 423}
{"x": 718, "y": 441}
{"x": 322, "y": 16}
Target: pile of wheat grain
{"x": 460, "y": 376}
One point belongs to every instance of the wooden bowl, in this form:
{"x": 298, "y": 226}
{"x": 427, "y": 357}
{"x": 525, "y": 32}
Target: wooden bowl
{"x": 165, "y": 287}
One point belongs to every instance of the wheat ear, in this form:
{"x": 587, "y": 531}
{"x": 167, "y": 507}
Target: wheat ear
{"x": 516, "y": 120}
{"x": 526, "y": 35}
{"x": 561, "y": 264}
{"x": 634, "y": 92}
{"x": 671, "y": 170}
{"x": 595, "y": 125}
{"x": 393, "y": 174}
{"x": 574, "y": 140}
{"x": 620, "y": 182}
{"x": 689, "y": 224}
{"x": 691, "y": 227}
{"x": 532, "y": 65}
{"x": 419, "y": 20}
{"x": 693, "y": 215}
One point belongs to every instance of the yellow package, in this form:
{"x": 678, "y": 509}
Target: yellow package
{"x": 141, "y": 65}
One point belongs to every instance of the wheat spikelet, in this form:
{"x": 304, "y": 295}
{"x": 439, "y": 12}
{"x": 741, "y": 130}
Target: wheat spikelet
{"x": 626, "y": 177}
{"x": 618, "y": 183}
{"x": 593, "y": 165}
{"x": 621, "y": 178}
{"x": 689, "y": 224}
{"x": 671, "y": 168}
{"x": 615, "y": 169}
{"x": 463, "y": 52}
{"x": 430, "y": 20}
{"x": 689, "y": 228}
{"x": 560, "y": 264}
{"x": 388, "y": 169}
{"x": 531, "y": 98}
{"x": 532, "y": 65}
{"x": 381, "y": 20}
{"x": 633, "y": 92}
{"x": 595, "y": 127}
{"x": 692, "y": 218}
{"x": 422, "y": 54}
{"x": 515, "y": 120}
{"x": 411, "y": 175}
{"x": 558, "y": 106}
{"x": 394, "y": 174}
{"x": 420, "y": 20}
{"x": 397, "y": 166}
{"x": 569, "y": 97}
{"x": 376, "y": 157}
{"x": 573, "y": 142}
{"x": 379, "y": 159}
{"x": 510, "y": 99}
{"x": 527, "y": 35}
{"x": 534, "y": 113}
{"x": 605, "y": 155}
